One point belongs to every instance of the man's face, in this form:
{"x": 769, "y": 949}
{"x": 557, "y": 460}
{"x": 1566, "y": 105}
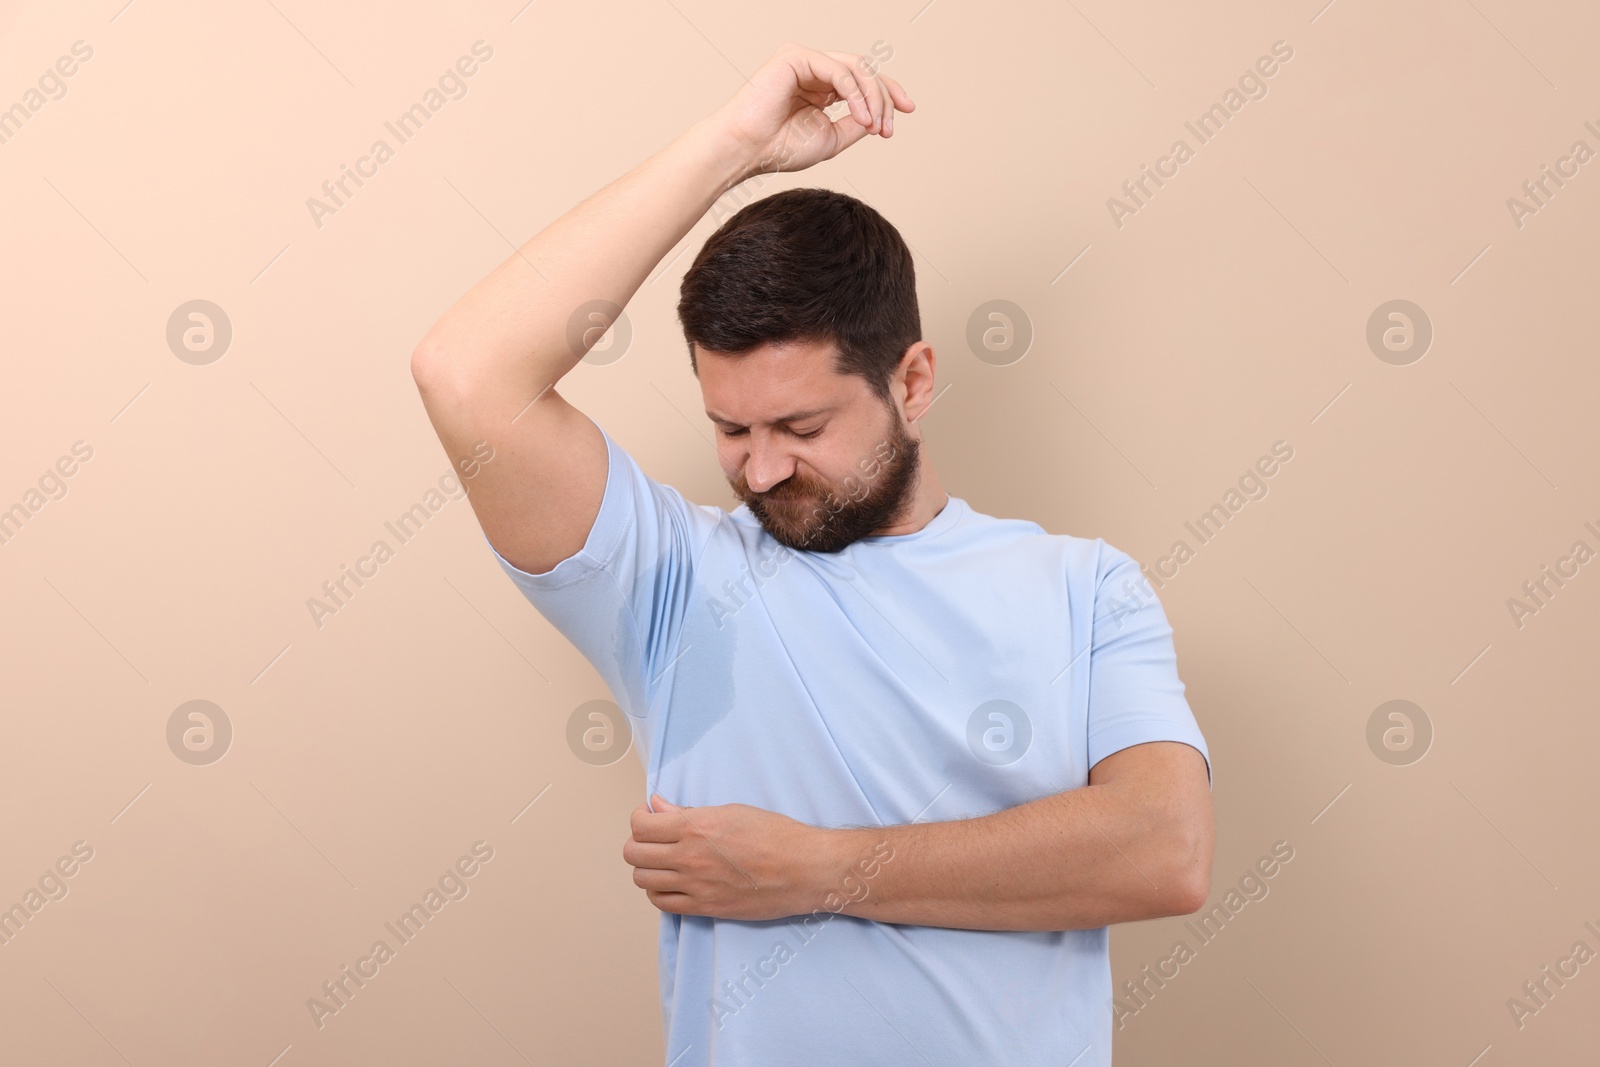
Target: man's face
{"x": 818, "y": 457}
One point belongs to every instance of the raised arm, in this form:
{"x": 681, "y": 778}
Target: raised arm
{"x": 487, "y": 368}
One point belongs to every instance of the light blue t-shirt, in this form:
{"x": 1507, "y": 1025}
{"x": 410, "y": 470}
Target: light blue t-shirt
{"x": 973, "y": 665}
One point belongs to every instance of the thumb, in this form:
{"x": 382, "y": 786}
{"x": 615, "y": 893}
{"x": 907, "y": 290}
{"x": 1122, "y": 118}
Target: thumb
{"x": 660, "y": 803}
{"x": 848, "y": 131}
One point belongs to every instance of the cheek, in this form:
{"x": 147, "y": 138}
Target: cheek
{"x": 731, "y": 458}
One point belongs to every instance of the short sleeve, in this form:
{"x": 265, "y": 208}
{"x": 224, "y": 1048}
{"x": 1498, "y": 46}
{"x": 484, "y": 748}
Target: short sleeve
{"x": 620, "y": 598}
{"x": 1135, "y": 694}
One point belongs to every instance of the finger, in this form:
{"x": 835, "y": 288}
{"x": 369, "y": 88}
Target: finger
{"x": 817, "y": 99}
{"x": 869, "y": 95}
{"x": 898, "y": 95}
{"x": 658, "y": 881}
{"x": 878, "y": 101}
{"x": 664, "y": 827}
{"x": 820, "y": 70}
{"x": 677, "y": 903}
{"x": 650, "y": 854}
{"x": 890, "y": 105}
{"x": 848, "y": 131}
{"x": 884, "y": 106}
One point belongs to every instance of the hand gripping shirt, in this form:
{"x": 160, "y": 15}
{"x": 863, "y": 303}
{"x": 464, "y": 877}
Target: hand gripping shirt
{"x": 970, "y": 666}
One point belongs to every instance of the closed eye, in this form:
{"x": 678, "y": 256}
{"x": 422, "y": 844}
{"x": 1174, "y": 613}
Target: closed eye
{"x": 741, "y": 431}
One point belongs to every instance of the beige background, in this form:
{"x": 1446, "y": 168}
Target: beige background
{"x": 1227, "y": 314}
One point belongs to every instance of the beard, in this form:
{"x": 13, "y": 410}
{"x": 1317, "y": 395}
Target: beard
{"x": 818, "y": 517}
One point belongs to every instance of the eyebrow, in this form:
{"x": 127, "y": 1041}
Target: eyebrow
{"x": 796, "y": 417}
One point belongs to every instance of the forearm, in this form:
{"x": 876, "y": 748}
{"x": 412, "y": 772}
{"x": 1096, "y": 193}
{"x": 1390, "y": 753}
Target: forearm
{"x": 510, "y": 331}
{"x": 1085, "y": 858}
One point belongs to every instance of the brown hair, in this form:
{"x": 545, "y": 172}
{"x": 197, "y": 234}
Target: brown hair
{"x": 805, "y": 265}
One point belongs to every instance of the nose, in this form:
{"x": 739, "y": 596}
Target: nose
{"x": 767, "y": 465}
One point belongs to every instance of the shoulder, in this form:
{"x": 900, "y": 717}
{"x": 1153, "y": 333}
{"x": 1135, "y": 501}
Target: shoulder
{"x": 1083, "y": 559}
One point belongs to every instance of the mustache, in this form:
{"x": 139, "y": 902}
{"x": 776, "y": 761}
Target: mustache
{"x": 788, "y": 489}
{"x": 785, "y": 491}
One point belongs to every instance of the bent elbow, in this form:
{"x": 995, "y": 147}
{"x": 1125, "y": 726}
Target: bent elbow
{"x": 1192, "y": 895}
{"x": 1190, "y": 886}
{"x": 425, "y": 363}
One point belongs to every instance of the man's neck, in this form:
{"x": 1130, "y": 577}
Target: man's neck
{"x": 927, "y": 500}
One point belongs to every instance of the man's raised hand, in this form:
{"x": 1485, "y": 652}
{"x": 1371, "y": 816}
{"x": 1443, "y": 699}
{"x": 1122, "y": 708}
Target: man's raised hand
{"x": 778, "y": 114}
